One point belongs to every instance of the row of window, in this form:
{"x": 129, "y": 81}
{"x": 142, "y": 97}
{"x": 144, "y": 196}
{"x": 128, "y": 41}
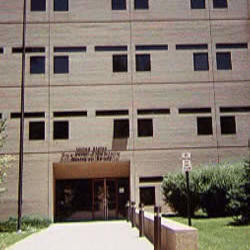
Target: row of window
{"x": 121, "y": 128}
{"x": 63, "y": 5}
{"x": 120, "y": 63}
{"x": 143, "y": 61}
{"x": 144, "y": 125}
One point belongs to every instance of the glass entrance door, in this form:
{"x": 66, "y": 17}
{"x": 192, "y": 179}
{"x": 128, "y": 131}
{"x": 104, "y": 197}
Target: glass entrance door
{"x": 105, "y": 199}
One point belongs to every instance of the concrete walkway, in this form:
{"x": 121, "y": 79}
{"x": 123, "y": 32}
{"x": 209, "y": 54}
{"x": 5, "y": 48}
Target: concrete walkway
{"x": 110, "y": 235}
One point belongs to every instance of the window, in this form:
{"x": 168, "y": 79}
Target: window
{"x": 37, "y": 65}
{"x": 61, "y": 5}
{"x": 143, "y": 62}
{"x": 61, "y": 64}
{"x": 204, "y": 126}
{"x": 145, "y": 127}
{"x": 147, "y": 195}
{"x": 227, "y": 124}
{"x": 36, "y": 131}
{"x": 61, "y": 130}
{"x": 121, "y": 128}
{"x": 38, "y": 5}
{"x": 118, "y": 4}
{"x": 220, "y": 4}
{"x": 197, "y": 4}
{"x": 200, "y": 61}
{"x": 120, "y": 63}
{"x": 223, "y": 60}
{"x": 141, "y": 4}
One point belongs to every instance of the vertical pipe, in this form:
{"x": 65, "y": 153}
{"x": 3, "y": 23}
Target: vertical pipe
{"x": 157, "y": 228}
{"x": 141, "y": 220}
{"x": 20, "y": 180}
{"x": 188, "y": 199}
{"x": 133, "y": 214}
{"x": 128, "y": 210}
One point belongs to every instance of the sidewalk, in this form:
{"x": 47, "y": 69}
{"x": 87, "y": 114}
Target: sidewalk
{"x": 108, "y": 235}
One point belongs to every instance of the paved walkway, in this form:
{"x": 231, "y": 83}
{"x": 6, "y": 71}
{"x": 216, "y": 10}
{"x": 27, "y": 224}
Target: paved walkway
{"x": 111, "y": 235}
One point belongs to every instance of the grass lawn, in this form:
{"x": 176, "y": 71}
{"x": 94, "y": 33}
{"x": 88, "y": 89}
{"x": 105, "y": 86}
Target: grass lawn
{"x": 218, "y": 234}
{"x": 7, "y": 239}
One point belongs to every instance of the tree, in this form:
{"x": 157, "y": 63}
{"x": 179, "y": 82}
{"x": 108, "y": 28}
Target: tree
{"x": 245, "y": 198}
{"x": 240, "y": 197}
{"x": 4, "y": 159}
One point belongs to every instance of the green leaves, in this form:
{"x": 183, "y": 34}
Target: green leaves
{"x": 210, "y": 188}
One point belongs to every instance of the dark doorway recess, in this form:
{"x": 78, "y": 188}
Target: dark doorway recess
{"x": 91, "y": 199}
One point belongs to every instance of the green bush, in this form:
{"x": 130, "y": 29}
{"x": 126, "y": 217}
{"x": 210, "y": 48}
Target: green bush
{"x": 175, "y": 193}
{"x": 210, "y": 187}
{"x": 240, "y": 197}
{"x": 28, "y": 223}
{"x": 217, "y": 182}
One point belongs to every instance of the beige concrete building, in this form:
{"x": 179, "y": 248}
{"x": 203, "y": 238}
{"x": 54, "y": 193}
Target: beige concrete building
{"x": 115, "y": 91}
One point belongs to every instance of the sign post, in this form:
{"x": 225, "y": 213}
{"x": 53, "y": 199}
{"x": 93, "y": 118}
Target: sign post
{"x": 187, "y": 167}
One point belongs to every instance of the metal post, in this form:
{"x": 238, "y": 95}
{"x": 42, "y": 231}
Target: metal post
{"x": 20, "y": 180}
{"x": 157, "y": 228}
{"x": 188, "y": 199}
{"x": 133, "y": 214}
{"x": 128, "y": 210}
{"x": 141, "y": 220}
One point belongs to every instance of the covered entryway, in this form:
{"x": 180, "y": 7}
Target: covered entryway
{"x": 87, "y": 191}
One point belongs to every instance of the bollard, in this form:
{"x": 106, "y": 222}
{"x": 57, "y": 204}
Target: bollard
{"x": 128, "y": 210}
{"x": 157, "y": 228}
{"x": 133, "y": 214}
{"x": 141, "y": 220}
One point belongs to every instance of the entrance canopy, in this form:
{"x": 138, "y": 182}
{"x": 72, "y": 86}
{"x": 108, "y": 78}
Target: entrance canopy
{"x": 78, "y": 170}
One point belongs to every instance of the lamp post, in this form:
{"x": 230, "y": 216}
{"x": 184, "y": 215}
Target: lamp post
{"x": 20, "y": 179}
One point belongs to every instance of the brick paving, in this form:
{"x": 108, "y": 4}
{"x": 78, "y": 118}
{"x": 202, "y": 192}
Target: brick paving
{"x": 103, "y": 235}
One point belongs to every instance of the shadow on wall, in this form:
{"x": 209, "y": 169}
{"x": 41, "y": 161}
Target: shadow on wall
{"x": 119, "y": 144}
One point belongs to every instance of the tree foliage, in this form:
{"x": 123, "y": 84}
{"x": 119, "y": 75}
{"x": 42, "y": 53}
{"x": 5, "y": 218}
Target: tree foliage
{"x": 210, "y": 188}
{"x": 240, "y": 197}
{"x": 4, "y": 159}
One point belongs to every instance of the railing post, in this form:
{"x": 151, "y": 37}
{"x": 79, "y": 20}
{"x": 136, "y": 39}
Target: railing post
{"x": 157, "y": 228}
{"x": 128, "y": 211}
{"x": 133, "y": 214}
{"x": 141, "y": 220}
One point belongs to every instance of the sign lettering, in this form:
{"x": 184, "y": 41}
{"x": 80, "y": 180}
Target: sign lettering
{"x": 88, "y": 154}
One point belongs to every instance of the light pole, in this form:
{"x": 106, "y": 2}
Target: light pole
{"x": 20, "y": 179}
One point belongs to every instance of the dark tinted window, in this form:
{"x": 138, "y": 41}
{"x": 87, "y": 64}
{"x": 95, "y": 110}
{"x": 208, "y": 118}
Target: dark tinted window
{"x": 37, "y": 65}
{"x": 223, "y": 60}
{"x": 38, "y": 5}
{"x": 145, "y": 127}
{"x": 201, "y": 61}
{"x": 36, "y": 131}
{"x": 228, "y": 125}
{"x": 141, "y": 4}
{"x": 61, "y": 130}
{"x": 61, "y": 5}
{"x": 204, "y": 126}
{"x": 220, "y": 3}
{"x": 143, "y": 62}
{"x": 120, "y": 63}
{"x": 61, "y": 64}
{"x": 197, "y": 4}
{"x": 147, "y": 195}
{"x": 118, "y": 4}
{"x": 121, "y": 128}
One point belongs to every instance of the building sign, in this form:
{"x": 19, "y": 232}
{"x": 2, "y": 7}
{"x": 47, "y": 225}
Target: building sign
{"x": 88, "y": 154}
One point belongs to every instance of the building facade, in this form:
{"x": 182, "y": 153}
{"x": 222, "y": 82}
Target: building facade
{"x": 115, "y": 91}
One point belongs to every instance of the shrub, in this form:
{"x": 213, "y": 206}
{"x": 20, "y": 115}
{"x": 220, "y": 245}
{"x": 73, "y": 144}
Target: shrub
{"x": 217, "y": 181}
{"x": 175, "y": 193}
{"x": 240, "y": 197}
{"x": 28, "y": 223}
{"x": 209, "y": 189}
